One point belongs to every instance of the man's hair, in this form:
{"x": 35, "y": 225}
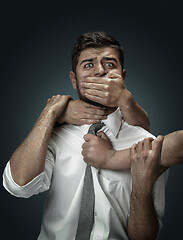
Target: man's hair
{"x": 95, "y": 40}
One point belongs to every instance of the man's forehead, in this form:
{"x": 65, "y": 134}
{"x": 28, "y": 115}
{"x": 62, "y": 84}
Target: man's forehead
{"x": 98, "y": 52}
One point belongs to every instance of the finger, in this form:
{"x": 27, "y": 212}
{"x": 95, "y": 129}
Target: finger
{"x": 58, "y": 96}
{"x": 64, "y": 100}
{"x": 89, "y": 137}
{"x": 51, "y": 99}
{"x": 133, "y": 150}
{"x": 156, "y": 148}
{"x": 98, "y": 99}
{"x": 95, "y": 92}
{"x": 148, "y": 144}
{"x": 157, "y": 144}
{"x": 84, "y": 145}
{"x": 65, "y": 97}
{"x": 83, "y": 152}
{"x": 140, "y": 146}
{"x": 113, "y": 74}
{"x": 147, "y": 148}
{"x": 99, "y": 80}
{"x": 92, "y": 85}
{"x": 95, "y": 86}
{"x": 94, "y": 112}
{"x": 87, "y": 118}
{"x": 94, "y": 115}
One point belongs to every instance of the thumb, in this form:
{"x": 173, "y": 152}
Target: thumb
{"x": 157, "y": 144}
{"x": 102, "y": 135}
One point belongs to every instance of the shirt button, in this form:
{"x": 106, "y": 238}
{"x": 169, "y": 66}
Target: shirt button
{"x": 95, "y": 213}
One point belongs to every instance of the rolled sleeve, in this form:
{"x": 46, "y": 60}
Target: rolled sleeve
{"x": 34, "y": 187}
{"x": 39, "y": 184}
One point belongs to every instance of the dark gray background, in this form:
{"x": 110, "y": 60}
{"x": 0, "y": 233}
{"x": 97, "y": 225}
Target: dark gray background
{"x": 36, "y": 38}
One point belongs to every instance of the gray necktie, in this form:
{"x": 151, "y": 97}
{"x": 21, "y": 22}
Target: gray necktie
{"x": 86, "y": 216}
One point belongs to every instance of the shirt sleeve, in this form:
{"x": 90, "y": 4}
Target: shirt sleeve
{"x": 39, "y": 184}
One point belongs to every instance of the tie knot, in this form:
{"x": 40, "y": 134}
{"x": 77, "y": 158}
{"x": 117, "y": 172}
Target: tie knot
{"x": 95, "y": 127}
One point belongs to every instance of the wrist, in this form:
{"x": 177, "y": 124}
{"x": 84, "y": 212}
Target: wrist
{"x": 48, "y": 116}
{"x": 66, "y": 116}
{"x": 125, "y": 100}
{"x": 111, "y": 162}
{"x": 141, "y": 188}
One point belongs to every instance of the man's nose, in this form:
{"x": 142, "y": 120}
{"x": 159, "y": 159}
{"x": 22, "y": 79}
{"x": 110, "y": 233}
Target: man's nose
{"x": 100, "y": 70}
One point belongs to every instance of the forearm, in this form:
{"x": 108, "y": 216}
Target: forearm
{"x": 119, "y": 161}
{"x": 172, "y": 149}
{"x": 28, "y": 160}
{"x": 133, "y": 113}
{"x": 143, "y": 223}
{"x": 171, "y": 154}
{"x": 145, "y": 169}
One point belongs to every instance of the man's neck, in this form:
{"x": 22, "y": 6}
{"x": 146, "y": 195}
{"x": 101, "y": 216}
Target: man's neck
{"x": 108, "y": 109}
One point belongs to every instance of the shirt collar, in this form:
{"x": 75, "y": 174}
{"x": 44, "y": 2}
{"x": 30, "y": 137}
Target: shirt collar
{"x": 114, "y": 121}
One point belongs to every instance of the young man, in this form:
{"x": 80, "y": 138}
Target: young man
{"x": 50, "y": 157}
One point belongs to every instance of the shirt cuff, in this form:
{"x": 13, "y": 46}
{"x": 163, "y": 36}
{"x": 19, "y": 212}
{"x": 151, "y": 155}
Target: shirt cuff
{"x": 32, "y": 188}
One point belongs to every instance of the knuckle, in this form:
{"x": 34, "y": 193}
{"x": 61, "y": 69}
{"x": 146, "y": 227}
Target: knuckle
{"x": 64, "y": 97}
{"x": 106, "y": 87}
{"x": 107, "y": 94}
{"x": 145, "y": 155}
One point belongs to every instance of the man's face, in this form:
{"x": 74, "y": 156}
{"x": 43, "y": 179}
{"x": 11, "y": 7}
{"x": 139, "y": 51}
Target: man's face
{"x": 95, "y": 62}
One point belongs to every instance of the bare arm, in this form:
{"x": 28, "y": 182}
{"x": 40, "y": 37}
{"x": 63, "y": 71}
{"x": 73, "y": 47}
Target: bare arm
{"x": 172, "y": 150}
{"x": 98, "y": 152}
{"x": 132, "y": 112}
{"x": 145, "y": 169}
{"x": 28, "y": 160}
{"x": 111, "y": 91}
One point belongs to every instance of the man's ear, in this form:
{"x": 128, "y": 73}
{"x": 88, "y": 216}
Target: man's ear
{"x": 124, "y": 74}
{"x": 73, "y": 79}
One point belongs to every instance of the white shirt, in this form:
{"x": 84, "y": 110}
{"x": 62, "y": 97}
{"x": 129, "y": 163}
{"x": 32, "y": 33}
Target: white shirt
{"x": 64, "y": 175}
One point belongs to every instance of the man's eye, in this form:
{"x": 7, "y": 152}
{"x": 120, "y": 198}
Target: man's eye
{"x": 109, "y": 64}
{"x": 88, "y": 65}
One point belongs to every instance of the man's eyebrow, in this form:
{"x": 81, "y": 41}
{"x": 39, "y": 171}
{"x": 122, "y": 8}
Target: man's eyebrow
{"x": 110, "y": 59}
{"x": 87, "y": 60}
